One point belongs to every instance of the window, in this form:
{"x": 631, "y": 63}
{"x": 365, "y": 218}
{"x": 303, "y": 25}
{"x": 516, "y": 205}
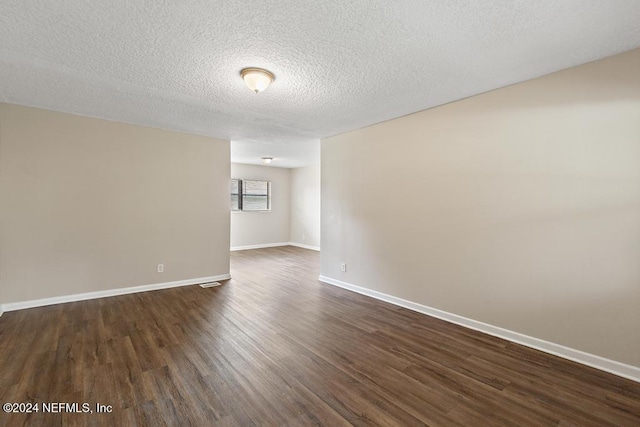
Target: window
{"x": 250, "y": 195}
{"x": 235, "y": 194}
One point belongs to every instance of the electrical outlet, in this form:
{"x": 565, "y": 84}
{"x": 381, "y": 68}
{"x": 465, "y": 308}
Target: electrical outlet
{"x": 160, "y": 268}
{"x": 343, "y": 267}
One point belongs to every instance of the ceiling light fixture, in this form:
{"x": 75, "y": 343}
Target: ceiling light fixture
{"x": 267, "y": 160}
{"x": 257, "y": 79}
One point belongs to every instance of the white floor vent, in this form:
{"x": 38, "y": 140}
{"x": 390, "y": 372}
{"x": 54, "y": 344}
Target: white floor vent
{"x": 210, "y": 285}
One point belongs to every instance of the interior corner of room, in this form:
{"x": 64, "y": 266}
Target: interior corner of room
{"x": 294, "y": 214}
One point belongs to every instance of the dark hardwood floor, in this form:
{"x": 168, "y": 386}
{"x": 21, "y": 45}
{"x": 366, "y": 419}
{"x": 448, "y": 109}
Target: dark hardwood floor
{"x": 273, "y": 346}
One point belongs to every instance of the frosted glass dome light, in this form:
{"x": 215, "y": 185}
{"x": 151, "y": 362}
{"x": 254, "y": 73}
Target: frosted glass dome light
{"x": 257, "y": 79}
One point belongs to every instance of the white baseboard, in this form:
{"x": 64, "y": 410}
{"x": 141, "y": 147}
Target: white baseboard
{"x": 273, "y": 245}
{"x": 303, "y": 246}
{"x": 617, "y": 368}
{"x": 108, "y": 293}
{"x": 264, "y": 245}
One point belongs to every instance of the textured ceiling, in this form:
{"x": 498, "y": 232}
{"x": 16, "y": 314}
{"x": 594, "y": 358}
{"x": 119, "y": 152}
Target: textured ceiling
{"x": 339, "y": 65}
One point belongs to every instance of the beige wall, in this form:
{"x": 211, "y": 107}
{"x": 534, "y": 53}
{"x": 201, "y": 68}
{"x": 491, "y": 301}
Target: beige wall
{"x": 261, "y": 228}
{"x": 305, "y": 206}
{"x": 519, "y": 208}
{"x": 91, "y": 205}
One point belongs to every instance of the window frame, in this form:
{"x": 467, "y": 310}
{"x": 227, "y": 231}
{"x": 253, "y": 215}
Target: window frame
{"x": 241, "y": 195}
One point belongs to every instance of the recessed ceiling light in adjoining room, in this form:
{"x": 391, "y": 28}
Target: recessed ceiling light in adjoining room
{"x": 267, "y": 160}
{"x": 257, "y": 79}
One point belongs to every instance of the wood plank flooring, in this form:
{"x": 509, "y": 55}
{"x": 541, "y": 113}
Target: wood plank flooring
{"x": 273, "y": 346}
